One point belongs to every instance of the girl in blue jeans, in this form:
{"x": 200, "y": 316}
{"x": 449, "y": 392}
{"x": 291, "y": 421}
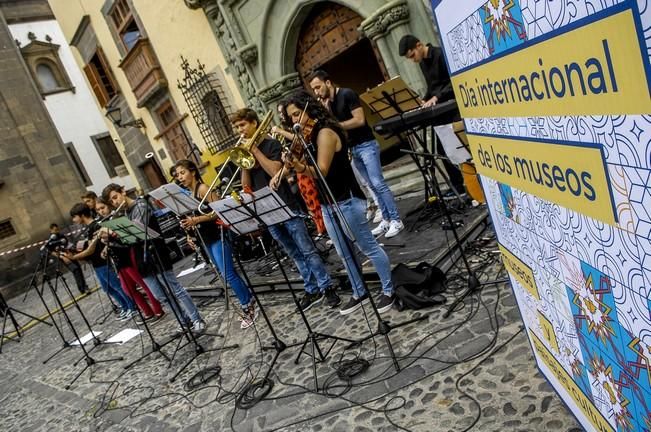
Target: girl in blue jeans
{"x": 220, "y": 252}
{"x": 332, "y": 160}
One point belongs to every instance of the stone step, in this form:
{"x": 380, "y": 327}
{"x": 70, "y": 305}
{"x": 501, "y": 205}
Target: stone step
{"x": 403, "y": 177}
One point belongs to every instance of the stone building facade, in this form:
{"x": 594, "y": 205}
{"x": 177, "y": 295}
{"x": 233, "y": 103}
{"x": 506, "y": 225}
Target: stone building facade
{"x": 271, "y": 46}
{"x": 38, "y": 184}
{"x": 133, "y": 54}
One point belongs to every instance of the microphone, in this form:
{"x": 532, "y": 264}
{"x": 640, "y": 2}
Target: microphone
{"x": 297, "y": 128}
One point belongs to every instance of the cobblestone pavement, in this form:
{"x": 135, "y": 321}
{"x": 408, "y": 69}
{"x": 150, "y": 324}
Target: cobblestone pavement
{"x": 441, "y": 361}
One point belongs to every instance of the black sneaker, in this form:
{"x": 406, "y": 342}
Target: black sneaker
{"x": 353, "y": 304}
{"x": 332, "y": 300}
{"x": 385, "y": 303}
{"x": 310, "y": 300}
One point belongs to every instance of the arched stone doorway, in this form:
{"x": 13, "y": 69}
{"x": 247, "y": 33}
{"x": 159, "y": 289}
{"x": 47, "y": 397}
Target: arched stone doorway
{"x": 329, "y": 39}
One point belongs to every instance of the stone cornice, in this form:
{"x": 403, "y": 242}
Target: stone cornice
{"x": 282, "y": 86}
{"x": 393, "y": 13}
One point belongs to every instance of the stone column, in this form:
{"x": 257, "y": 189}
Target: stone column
{"x": 280, "y": 88}
{"x": 386, "y": 26}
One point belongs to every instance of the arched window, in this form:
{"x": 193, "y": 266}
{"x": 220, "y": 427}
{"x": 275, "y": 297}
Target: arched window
{"x": 46, "y": 68}
{"x": 46, "y": 78}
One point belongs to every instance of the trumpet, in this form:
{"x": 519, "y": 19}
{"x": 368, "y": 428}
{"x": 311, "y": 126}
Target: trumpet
{"x": 241, "y": 155}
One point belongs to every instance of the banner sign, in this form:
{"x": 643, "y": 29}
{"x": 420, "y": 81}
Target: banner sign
{"x": 556, "y": 100}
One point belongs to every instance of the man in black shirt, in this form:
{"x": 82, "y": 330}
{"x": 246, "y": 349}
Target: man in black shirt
{"x": 439, "y": 89}
{"x": 345, "y": 106}
{"x": 92, "y": 253}
{"x": 292, "y": 234}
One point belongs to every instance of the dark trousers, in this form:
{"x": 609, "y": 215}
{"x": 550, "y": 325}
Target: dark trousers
{"x": 78, "y": 274}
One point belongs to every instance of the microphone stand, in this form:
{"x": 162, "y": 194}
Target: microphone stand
{"x": 257, "y": 390}
{"x": 90, "y": 361}
{"x": 167, "y": 291}
{"x": 384, "y": 327}
{"x": 8, "y": 314}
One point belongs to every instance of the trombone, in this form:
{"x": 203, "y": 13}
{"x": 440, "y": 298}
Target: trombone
{"x": 241, "y": 155}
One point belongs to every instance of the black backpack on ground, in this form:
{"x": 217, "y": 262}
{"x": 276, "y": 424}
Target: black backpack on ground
{"x": 418, "y": 288}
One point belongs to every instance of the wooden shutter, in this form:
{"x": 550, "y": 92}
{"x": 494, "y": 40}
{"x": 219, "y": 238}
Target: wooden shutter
{"x": 107, "y": 69}
{"x": 96, "y": 84}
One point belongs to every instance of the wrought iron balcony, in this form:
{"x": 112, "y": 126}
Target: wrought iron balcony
{"x": 143, "y": 72}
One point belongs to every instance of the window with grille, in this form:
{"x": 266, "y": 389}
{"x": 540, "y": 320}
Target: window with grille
{"x": 7, "y": 229}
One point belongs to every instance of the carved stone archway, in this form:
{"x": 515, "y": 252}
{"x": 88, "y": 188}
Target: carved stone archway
{"x": 259, "y": 39}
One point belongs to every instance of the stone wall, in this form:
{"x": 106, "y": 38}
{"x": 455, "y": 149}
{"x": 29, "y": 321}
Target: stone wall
{"x": 39, "y": 183}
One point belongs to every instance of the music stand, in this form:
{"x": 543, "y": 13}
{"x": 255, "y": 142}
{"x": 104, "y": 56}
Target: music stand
{"x": 392, "y": 99}
{"x": 252, "y": 212}
{"x": 146, "y": 234}
{"x": 90, "y": 361}
{"x": 181, "y": 204}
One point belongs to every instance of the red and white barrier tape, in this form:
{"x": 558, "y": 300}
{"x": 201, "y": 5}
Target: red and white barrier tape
{"x": 9, "y": 252}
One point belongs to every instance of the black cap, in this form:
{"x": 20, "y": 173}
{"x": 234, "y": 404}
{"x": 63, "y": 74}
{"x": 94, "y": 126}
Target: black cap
{"x": 407, "y": 42}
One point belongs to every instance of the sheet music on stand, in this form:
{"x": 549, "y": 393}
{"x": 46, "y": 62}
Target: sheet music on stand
{"x": 456, "y": 152}
{"x": 266, "y": 204}
{"x": 130, "y": 232}
{"x": 383, "y": 99}
{"x": 175, "y": 198}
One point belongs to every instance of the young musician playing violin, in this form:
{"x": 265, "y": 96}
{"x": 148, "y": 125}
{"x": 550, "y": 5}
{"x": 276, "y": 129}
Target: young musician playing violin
{"x": 332, "y": 160}
{"x": 306, "y": 184}
{"x": 220, "y": 252}
{"x": 292, "y": 235}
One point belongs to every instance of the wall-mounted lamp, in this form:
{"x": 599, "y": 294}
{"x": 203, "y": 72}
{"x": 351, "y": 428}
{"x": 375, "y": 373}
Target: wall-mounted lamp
{"x": 115, "y": 115}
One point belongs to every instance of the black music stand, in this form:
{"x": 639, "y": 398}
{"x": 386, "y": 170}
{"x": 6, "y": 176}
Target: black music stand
{"x": 181, "y": 204}
{"x": 393, "y": 99}
{"x": 252, "y": 212}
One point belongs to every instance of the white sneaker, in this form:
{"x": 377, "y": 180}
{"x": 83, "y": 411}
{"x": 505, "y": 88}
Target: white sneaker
{"x": 380, "y": 229}
{"x": 395, "y": 226}
{"x": 370, "y": 213}
{"x": 199, "y": 326}
{"x": 378, "y": 216}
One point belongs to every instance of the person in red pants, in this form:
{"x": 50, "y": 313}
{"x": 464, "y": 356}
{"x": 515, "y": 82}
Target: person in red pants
{"x": 124, "y": 259}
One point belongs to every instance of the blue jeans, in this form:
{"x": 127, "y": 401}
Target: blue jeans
{"x": 190, "y": 311}
{"x": 223, "y": 259}
{"x": 110, "y": 283}
{"x": 366, "y": 157}
{"x": 354, "y": 212}
{"x": 294, "y": 238}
